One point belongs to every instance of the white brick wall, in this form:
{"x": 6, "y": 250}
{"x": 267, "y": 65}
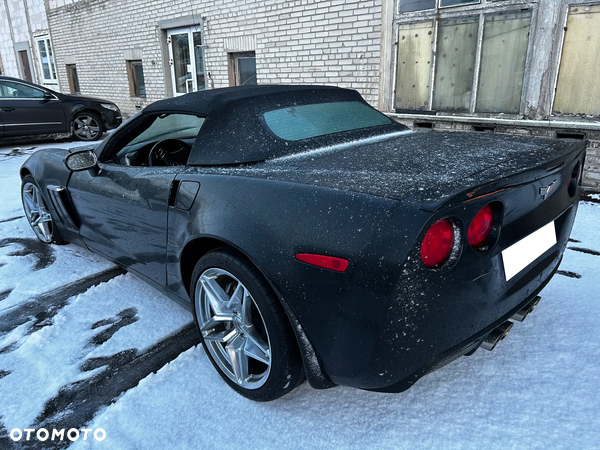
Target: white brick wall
{"x": 333, "y": 42}
{"x": 23, "y": 30}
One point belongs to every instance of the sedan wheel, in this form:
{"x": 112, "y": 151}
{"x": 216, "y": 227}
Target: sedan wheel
{"x": 244, "y": 329}
{"x": 87, "y": 127}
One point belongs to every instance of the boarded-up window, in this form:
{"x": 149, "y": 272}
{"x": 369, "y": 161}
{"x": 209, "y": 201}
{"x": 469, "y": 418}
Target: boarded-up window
{"x": 505, "y": 41}
{"x": 444, "y": 3}
{"x": 455, "y": 65}
{"x": 415, "y": 49}
{"x": 578, "y": 90}
{"x": 416, "y": 5}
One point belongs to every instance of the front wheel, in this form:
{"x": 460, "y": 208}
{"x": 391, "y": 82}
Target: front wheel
{"x": 244, "y": 329}
{"x": 87, "y": 126}
{"x": 37, "y": 213}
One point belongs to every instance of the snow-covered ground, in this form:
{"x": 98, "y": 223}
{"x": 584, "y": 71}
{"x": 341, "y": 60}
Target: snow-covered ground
{"x": 69, "y": 348}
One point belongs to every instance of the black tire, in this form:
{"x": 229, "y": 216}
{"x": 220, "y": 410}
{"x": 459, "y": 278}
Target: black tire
{"x": 35, "y": 208}
{"x": 269, "y": 327}
{"x": 87, "y": 126}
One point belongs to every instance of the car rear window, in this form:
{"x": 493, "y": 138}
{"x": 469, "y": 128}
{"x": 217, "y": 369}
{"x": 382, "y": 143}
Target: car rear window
{"x": 301, "y": 122}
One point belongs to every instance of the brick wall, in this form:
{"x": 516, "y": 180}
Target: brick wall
{"x": 335, "y": 42}
{"x": 591, "y": 174}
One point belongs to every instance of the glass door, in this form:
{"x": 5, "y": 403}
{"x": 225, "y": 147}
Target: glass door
{"x": 186, "y": 60}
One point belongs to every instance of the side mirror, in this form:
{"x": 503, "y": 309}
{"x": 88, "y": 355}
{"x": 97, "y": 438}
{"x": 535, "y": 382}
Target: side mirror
{"x": 82, "y": 160}
{"x": 47, "y": 97}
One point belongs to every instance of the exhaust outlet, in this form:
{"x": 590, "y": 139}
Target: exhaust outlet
{"x": 497, "y": 334}
{"x": 520, "y": 315}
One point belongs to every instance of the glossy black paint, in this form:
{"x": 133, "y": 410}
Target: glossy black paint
{"x": 26, "y": 118}
{"x": 387, "y": 320}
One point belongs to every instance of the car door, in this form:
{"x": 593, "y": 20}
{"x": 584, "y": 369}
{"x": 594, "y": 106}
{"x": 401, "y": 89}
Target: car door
{"x": 27, "y": 111}
{"x": 123, "y": 208}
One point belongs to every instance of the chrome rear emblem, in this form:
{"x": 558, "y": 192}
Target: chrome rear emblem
{"x": 545, "y": 191}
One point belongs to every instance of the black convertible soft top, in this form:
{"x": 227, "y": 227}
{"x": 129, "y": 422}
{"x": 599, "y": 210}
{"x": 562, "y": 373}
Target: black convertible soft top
{"x": 234, "y": 131}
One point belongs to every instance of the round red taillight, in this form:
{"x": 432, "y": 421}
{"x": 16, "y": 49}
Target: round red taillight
{"x": 481, "y": 226}
{"x": 437, "y": 244}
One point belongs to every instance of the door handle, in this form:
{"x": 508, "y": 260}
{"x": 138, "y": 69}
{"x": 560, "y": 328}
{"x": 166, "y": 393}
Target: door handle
{"x": 8, "y": 109}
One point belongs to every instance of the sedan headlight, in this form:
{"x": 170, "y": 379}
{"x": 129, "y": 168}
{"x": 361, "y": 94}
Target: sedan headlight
{"x": 109, "y": 106}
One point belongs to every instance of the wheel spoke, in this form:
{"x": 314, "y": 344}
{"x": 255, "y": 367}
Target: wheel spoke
{"x": 221, "y": 336}
{"x": 88, "y": 134}
{"x": 45, "y": 229}
{"x": 235, "y": 302}
{"x": 215, "y": 321}
{"x": 95, "y": 129}
{"x": 254, "y": 351}
{"x": 216, "y": 296}
{"x": 247, "y": 309}
{"x": 30, "y": 205}
{"x": 256, "y": 339}
{"x": 239, "y": 361}
{"x": 79, "y": 123}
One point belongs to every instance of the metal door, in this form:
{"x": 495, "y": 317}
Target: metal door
{"x": 186, "y": 60}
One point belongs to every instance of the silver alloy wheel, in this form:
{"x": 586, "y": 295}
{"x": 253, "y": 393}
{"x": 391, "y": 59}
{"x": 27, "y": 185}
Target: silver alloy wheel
{"x": 86, "y": 127}
{"x": 233, "y": 328}
{"x": 36, "y": 212}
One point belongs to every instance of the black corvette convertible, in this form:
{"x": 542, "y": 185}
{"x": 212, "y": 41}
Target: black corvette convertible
{"x": 311, "y": 236}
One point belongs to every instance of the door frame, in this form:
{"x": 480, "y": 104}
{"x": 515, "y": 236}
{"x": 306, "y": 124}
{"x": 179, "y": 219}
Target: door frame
{"x": 193, "y": 86}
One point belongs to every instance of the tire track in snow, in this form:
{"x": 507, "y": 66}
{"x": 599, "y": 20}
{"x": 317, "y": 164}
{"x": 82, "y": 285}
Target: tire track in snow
{"x": 43, "y": 253}
{"x": 42, "y": 309}
{"x": 77, "y": 403}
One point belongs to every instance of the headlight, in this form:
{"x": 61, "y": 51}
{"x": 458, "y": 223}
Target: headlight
{"x": 109, "y": 106}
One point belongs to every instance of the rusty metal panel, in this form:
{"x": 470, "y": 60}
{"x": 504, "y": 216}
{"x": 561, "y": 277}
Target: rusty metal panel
{"x": 415, "y": 52}
{"x": 505, "y": 42}
{"x": 455, "y": 64}
{"x": 578, "y": 90}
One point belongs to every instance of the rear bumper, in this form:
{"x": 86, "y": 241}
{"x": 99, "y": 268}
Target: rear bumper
{"x": 432, "y": 318}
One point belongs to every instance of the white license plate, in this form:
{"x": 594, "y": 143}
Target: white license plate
{"x": 521, "y": 254}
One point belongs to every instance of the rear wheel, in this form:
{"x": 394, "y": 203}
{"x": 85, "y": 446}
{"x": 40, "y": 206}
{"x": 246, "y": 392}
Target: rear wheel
{"x": 87, "y": 126}
{"x": 37, "y": 213}
{"x": 244, "y": 329}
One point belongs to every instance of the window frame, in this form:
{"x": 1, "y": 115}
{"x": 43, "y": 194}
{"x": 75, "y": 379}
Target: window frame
{"x": 233, "y": 63}
{"x": 51, "y": 59}
{"x": 73, "y": 78}
{"x": 481, "y": 9}
{"x": 134, "y": 85}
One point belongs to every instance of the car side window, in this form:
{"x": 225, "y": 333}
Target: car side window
{"x": 9, "y": 89}
{"x": 154, "y": 140}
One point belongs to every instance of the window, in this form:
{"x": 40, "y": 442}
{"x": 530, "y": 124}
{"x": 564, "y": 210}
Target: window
{"x": 135, "y": 73}
{"x": 73, "y": 79}
{"x": 136, "y": 145}
{"x": 306, "y": 121}
{"x": 577, "y": 91}
{"x": 46, "y": 59}
{"x": 11, "y": 89}
{"x": 24, "y": 65}
{"x": 476, "y": 62}
{"x": 421, "y": 5}
{"x": 242, "y": 68}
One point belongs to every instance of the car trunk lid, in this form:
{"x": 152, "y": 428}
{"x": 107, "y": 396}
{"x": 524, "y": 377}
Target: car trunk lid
{"x": 431, "y": 167}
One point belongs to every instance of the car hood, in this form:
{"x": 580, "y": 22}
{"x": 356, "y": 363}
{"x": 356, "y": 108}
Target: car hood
{"x": 76, "y": 98}
{"x": 429, "y": 166}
